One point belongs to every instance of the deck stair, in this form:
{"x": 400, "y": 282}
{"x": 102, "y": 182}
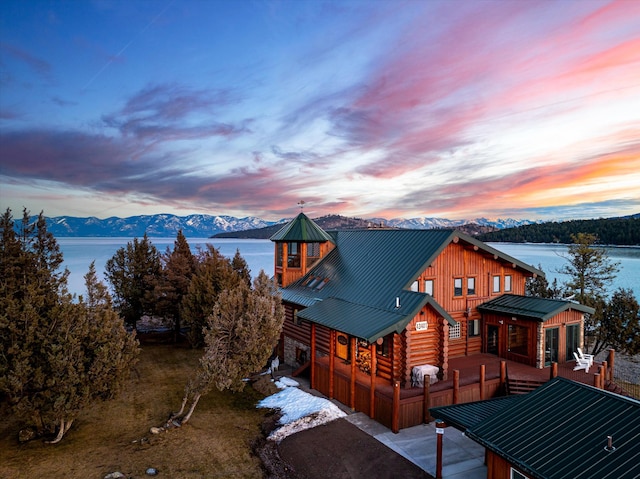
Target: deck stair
{"x": 522, "y": 386}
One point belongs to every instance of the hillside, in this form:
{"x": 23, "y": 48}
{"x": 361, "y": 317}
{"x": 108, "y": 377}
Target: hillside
{"x": 611, "y": 231}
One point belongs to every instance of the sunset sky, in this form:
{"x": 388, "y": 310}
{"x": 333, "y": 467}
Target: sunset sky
{"x": 370, "y": 108}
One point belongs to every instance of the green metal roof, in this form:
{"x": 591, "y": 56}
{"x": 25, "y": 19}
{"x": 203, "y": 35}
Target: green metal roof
{"x": 302, "y": 229}
{"x": 560, "y": 431}
{"x": 466, "y": 415}
{"x": 339, "y": 315}
{"x": 369, "y": 269}
{"x": 531, "y": 307}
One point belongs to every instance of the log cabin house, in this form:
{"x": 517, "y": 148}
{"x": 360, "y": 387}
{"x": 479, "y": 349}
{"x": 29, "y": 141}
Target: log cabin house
{"x": 390, "y": 303}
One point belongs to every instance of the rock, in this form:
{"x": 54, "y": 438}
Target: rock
{"x": 155, "y": 430}
{"x": 152, "y": 471}
{"x": 115, "y": 475}
{"x": 26, "y": 435}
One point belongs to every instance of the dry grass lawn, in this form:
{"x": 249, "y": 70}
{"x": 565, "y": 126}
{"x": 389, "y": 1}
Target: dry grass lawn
{"x": 114, "y": 436}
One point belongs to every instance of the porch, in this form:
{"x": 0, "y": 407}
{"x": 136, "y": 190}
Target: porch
{"x": 472, "y": 378}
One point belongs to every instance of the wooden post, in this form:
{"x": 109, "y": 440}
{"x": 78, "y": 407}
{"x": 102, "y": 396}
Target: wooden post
{"x": 395, "y": 408}
{"x": 313, "y": 355}
{"x": 332, "y": 360}
{"x": 606, "y": 373}
{"x": 439, "y": 433}
{"x": 352, "y": 399}
{"x": 456, "y": 386}
{"x": 503, "y": 376}
{"x": 601, "y": 372}
{"x": 426, "y": 401}
{"x": 482, "y": 378}
{"x": 554, "y": 370}
{"x": 596, "y": 380}
{"x": 372, "y": 391}
{"x": 612, "y": 355}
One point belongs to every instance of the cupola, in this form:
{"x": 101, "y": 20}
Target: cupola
{"x": 299, "y": 245}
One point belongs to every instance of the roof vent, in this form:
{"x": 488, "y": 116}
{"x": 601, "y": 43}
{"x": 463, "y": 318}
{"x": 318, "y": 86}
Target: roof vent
{"x": 397, "y": 302}
{"x": 609, "y": 447}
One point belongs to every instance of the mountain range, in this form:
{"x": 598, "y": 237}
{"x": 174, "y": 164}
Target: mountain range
{"x": 201, "y": 226}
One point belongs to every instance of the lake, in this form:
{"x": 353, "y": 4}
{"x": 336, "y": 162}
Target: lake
{"x": 79, "y": 252}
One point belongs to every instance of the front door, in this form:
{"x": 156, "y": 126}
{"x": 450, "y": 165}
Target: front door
{"x": 492, "y": 339}
{"x": 551, "y": 346}
{"x": 342, "y": 346}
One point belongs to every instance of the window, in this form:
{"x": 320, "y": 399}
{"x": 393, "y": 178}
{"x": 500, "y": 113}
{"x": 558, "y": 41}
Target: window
{"x": 454, "y": 331}
{"x": 414, "y": 286}
{"x": 428, "y": 286}
{"x": 457, "y": 287}
{"x": 313, "y": 253}
{"x": 507, "y": 283}
{"x": 573, "y": 340}
{"x": 474, "y": 328}
{"x": 496, "y": 284}
{"x": 517, "y": 474}
{"x": 471, "y": 286}
{"x": 279, "y": 254}
{"x": 293, "y": 255}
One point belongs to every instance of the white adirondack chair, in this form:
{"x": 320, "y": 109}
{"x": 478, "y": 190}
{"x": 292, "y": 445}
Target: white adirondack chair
{"x": 588, "y": 357}
{"x": 581, "y": 363}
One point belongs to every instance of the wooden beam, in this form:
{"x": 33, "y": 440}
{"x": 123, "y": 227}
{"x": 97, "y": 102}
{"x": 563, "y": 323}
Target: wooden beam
{"x": 395, "y": 408}
{"x": 426, "y": 400}
{"x": 456, "y": 386}
{"x": 372, "y": 389}
{"x": 313, "y": 355}
{"x": 332, "y": 360}
{"x": 482, "y": 380}
{"x": 352, "y": 399}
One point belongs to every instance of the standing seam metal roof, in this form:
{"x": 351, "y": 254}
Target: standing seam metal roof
{"x": 558, "y": 431}
{"x": 530, "y": 307}
{"x": 371, "y": 268}
{"x": 302, "y": 229}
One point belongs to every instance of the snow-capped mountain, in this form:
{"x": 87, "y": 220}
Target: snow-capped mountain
{"x": 166, "y": 225}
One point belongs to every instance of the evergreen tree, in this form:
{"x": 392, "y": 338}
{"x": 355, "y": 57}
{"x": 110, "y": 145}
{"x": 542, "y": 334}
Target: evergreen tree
{"x": 240, "y": 336}
{"x": 539, "y": 287}
{"x": 133, "y": 272}
{"x": 241, "y": 267}
{"x": 213, "y": 275}
{"x": 591, "y": 272}
{"x": 56, "y": 356}
{"x": 173, "y": 285}
{"x": 619, "y": 327}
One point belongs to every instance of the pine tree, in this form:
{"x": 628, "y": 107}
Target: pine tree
{"x": 619, "y": 327}
{"x": 213, "y": 275}
{"x": 591, "y": 272}
{"x": 56, "y": 356}
{"x": 173, "y": 285}
{"x": 133, "y": 272}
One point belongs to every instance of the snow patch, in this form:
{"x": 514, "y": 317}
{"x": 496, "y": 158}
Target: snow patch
{"x": 300, "y": 410}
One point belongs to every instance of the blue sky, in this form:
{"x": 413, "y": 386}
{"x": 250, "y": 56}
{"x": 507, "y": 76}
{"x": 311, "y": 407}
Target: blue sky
{"x": 453, "y": 109}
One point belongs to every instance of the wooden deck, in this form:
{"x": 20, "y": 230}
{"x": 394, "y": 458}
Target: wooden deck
{"x": 411, "y": 404}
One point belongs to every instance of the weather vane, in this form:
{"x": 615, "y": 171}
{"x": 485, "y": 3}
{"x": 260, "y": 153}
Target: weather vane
{"x": 301, "y": 204}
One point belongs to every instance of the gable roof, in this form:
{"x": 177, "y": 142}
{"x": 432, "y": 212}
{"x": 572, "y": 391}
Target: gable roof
{"x": 530, "y": 307}
{"x": 559, "y": 430}
{"x": 303, "y": 229}
{"x": 367, "y": 271}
